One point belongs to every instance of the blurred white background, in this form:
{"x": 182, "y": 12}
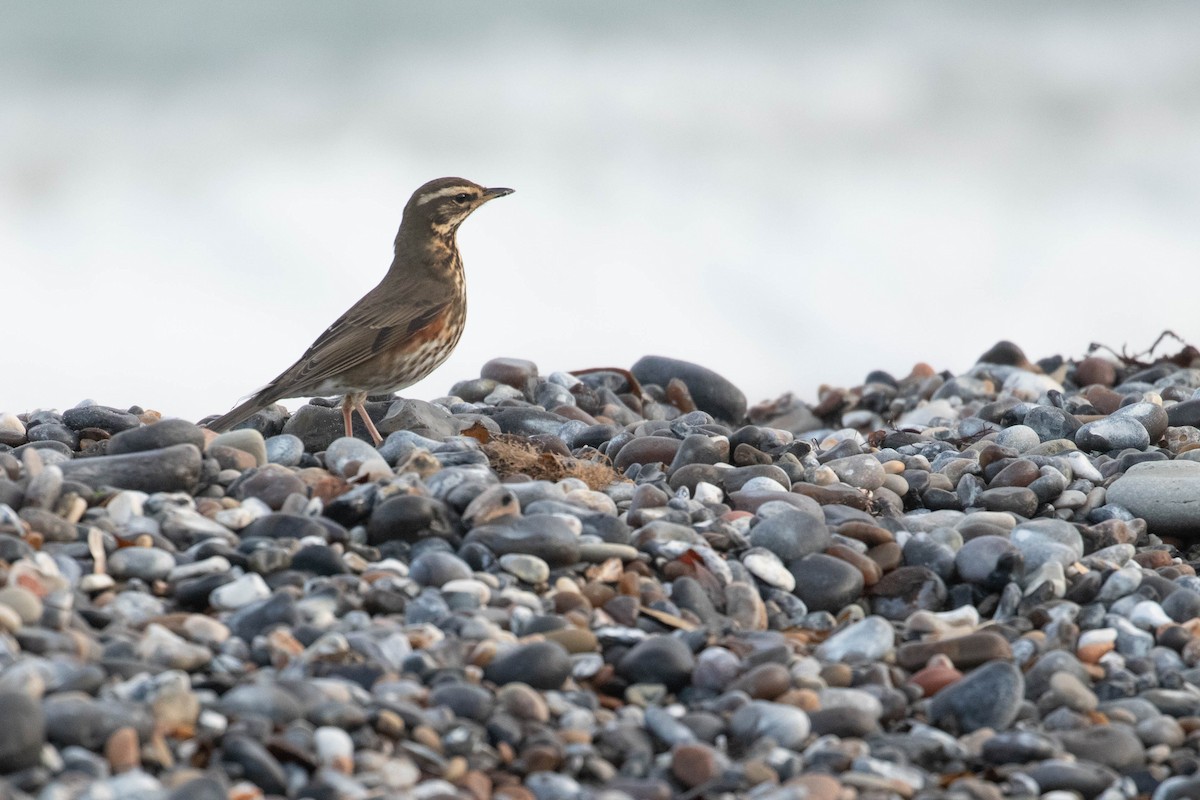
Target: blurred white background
{"x": 788, "y": 193}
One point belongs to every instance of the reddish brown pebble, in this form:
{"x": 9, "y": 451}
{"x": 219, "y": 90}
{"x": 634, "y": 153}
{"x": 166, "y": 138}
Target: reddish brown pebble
{"x": 921, "y": 371}
{"x": 123, "y": 750}
{"x": 804, "y": 699}
{"x": 818, "y": 787}
{"x": 646, "y": 450}
{"x": 764, "y": 682}
{"x": 541, "y": 758}
{"x": 839, "y": 675}
{"x": 1019, "y": 472}
{"x": 1093, "y": 371}
{"x": 695, "y": 764}
{"x": 598, "y": 594}
{"x": 1153, "y": 559}
{"x": 1189, "y": 724}
{"x": 991, "y": 453}
{"x": 937, "y": 675}
{"x": 478, "y": 784}
{"x": 964, "y": 652}
{"x": 870, "y": 535}
{"x": 835, "y": 495}
{"x": 888, "y": 556}
{"x": 515, "y": 372}
{"x": 514, "y": 793}
{"x": 1104, "y": 399}
{"x": 232, "y": 458}
{"x": 870, "y": 570}
{"x": 565, "y": 602}
{"x": 574, "y": 640}
{"x": 630, "y": 583}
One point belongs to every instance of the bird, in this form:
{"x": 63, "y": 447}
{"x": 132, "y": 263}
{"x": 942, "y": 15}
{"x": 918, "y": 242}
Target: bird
{"x": 401, "y": 330}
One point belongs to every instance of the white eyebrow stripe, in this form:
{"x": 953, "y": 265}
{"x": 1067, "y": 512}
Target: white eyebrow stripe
{"x": 447, "y": 192}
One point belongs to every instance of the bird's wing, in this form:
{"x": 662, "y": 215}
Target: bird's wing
{"x": 382, "y": 319}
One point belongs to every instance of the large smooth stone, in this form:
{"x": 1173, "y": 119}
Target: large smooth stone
{"x": 711, "y": 392}
{"x": 171, "y": 469}
{"x": 1163, "y": 493}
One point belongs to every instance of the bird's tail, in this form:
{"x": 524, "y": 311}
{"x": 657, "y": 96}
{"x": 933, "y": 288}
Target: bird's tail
{"x": 240, "y": 413}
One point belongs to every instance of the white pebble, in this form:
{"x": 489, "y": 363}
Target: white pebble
{"x": 1097, "y": 636}
{"x": 1030, "y": 385}
{"x": 124, "y": 506}
{"x": 212, "y": 565}
{"x": 1082, "y": 467}
{"x": 240, "y": 592}
{"x": 1149, "y": 615}
{"x": 961, "y": 619}
{"x": 470, "y": 586}
{"x": 1052, "y": 573}
{"x": 708, "y": 493}
{"x": 334, "y": 747}
{"x": 763, "y": 484}
{"x": 768, "y": 568}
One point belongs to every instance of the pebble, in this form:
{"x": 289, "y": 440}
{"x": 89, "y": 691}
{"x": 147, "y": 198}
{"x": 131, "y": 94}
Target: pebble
{"x": 530, "y": 569}
{"x": 1043, "y": 540}
{"x": 826, "y": 583}
{"x": 240, "y": 593}
{"x": 146, "y": 563}
{"x": 760, "y": 719}
{"x": 285, "y": 450}
{"x": 24, "y": 603}
{"x": 768, "y": 568}
{"x": 1159, "y": 492}
{"x": 542, "y": 665}
{"x": 994, "y": 599}
{"x": 157, "y": 436}
{"x": 1113, "y": 433}
{"x": 696, "y": 764}
{"x": 989, "y": 561}
{"x": 791, "y": 533}
{"x": 659, "y": 659}
{"x": 247, "y": 440}
{"x": 550, "y": 537}
{"x": 987, "y": 697}
{"x": 24, "y": 732}
{"x": 861, "y": 471}
{"x": 711, "y": 392}
{"x": 869, "y": 639}
{"x": 171, "y": 469}
{"x": 1112, "y": 745}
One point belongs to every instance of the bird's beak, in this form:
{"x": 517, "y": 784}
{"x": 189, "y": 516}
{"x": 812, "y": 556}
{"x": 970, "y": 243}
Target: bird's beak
{"x": 491, "y": 194}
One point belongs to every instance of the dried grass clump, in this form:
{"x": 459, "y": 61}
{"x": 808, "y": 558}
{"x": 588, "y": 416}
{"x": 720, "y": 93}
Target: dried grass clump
{"x": 511, "y": 455}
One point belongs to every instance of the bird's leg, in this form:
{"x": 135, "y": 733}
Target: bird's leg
{"x": 362, "y": 412}
{"x": 347, "y": 414}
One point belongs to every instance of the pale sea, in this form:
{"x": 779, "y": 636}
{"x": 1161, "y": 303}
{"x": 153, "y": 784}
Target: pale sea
{"x": 790, "y": 193}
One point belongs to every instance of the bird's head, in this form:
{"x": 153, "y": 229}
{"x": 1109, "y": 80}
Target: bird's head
{"x": 441, "y": 205}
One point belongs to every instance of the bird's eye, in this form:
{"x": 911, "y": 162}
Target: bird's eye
{"x": 461, "y": 198}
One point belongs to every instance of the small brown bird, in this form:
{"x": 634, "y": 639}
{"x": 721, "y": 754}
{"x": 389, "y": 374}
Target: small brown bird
{"x": 401, "y": 330}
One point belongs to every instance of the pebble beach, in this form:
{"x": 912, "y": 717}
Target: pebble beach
{"x": 616, "y": 584}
